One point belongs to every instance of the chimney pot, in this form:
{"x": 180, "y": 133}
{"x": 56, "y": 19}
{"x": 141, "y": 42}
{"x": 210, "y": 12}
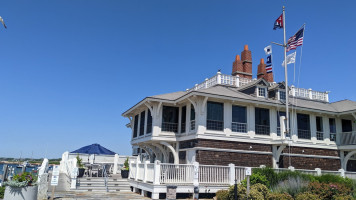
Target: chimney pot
{"x": 246, "y": 47}
{"x": 237, "y": 57}
{"x": 262, "y": 61}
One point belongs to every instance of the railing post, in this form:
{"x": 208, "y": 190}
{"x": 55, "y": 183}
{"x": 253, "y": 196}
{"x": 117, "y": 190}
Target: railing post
{"x": 327, "y": 96}
{"x": 318, "y": 171}
{"x": 218, "y": 77}
{"x": 196, "y": 174}
{"x": 206, "y": 83}
{"x": 292, "y": 89}
{"x": 237, "y": 83}
{"x": 342, "y": 173}
{"x": 291, "y": 168}
{"x": 310, "y": 93}
{"x": 157, "y": 172}
{"x": 145, "y": 171}
{"x": 130, "y": 168}
{"x": 137, "y": 170}
{"x": 232, "y": 174}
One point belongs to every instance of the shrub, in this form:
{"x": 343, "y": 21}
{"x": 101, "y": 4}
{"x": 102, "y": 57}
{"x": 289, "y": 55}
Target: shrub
{"x": 261, "y": 188}
{"x": 329, "y": 178}
{"x": 241, "y": 191}
{"x": 285, "y": 175}
{"x": 292, "y": 186}
{"x": 256, "y": 178}
{"x": 222, "y": 195}
{"x": 22, "y": 180}
{"x": 343, "y": 197}
{"x": 2, "y": 191}
{"x": 269, "y": 173}
{"x": 279, "y": 196}
{"x": 307, "y": 195}
{"x": 255, "y": 195}
{"x": 328, "y": 190}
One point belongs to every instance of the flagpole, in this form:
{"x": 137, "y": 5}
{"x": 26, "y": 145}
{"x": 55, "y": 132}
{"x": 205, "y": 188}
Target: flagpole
{"x": 286, "y": 71}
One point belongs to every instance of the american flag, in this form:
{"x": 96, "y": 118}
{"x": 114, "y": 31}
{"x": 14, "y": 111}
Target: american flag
{"x": 295, "y": 40}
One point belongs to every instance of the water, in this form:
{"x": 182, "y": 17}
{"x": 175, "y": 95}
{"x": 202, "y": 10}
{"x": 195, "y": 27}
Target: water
{"x": 18, "y": 170}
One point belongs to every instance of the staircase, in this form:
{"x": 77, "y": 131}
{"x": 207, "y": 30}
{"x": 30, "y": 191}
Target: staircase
{"x": 115, "y": 183}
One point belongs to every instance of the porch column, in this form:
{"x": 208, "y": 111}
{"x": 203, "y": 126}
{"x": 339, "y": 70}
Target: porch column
{"x": 273, "y": 123}
{"x": 326, "y": 130}
{"x": 187, "y": 119}
{"x": 338, "y": 130}
{"x": 251, "y": 121}
{"x": 227, "y": 118}
{"x": 294, "y": 126}
{"x": 313, "y": 128}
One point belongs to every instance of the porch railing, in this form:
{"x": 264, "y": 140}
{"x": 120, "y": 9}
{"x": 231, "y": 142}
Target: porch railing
{"x": 213, "y": 175}
{"x": 348, "y": 138}
{"x": 239, "y": 127}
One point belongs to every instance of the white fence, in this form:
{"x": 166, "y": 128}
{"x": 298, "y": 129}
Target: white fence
{"x": 210, "y": 175}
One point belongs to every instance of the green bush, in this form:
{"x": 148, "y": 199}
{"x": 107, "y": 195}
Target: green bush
{"x": 222, "y": 195}
{"x": 269, "y": 173}
{"x": 2, "y": 191}
{"x": 285, "y": 175}
{"x": 292, "y": 186}
{"x": 307, "y": 195}
{"x": 329, "y": 178}
{"x": 261, "y": 188}
{"x": 343, "y": 197}
{"x": 256, "y": 178}
{"x": 279, "y": 196}
{"x": 328, "y": 190}
{"x": 255, "y": 195}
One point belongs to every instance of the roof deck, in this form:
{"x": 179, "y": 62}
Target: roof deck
{"x": 236, "y": 81}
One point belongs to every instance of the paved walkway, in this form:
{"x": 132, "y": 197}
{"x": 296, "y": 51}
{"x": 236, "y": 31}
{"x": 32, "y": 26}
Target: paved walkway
{"x": 97, "y": 195}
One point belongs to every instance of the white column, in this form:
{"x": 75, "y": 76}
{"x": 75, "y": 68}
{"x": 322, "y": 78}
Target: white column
{"x": 326, "y": 130}
{"x": 273, "y": 122}
{"x": 145, "y": 171}
{"x": 156, "y": 119}
{"x": 200, "y": 116}
{"x": 157, "y": 172}
{"x": 145, "y": 124}
{"x": 196, "y": 174}
{"x": 338, "y": 130}
{"x": 116, "y": 162}
{"x": 179, "y": 119}
{"x": 251, "y": 121}
{"x": 312, "y": 119}
{"x": 294, "y": 126}
{"x": 274, "y": 157}
{"x": 227, "y": 118}
{"x": 137, "y": 170}
{"x": 187, "y": 119}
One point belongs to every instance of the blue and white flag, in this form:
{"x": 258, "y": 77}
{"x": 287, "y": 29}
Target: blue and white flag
{"x": 268, "y": 50}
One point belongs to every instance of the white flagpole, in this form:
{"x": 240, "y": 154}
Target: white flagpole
{"x": 286, "y": 72}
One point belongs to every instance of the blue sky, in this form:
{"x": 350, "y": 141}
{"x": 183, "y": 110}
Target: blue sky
{"x": 69, "y": 69}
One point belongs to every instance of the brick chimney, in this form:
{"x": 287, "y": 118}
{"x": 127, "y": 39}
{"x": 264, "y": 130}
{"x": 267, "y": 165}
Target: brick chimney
{"x": 237, "y": 67}
{"x": 262, "y": 73}
{"x": 246, "y": 58}
{"x": 261, "y": 70}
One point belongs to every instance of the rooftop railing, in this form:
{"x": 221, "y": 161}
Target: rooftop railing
{"x": 236, "y": 81}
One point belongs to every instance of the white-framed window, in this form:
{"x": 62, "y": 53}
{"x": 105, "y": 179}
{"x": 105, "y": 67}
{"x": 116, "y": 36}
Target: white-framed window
{"x": 261, "y": 92}
{"x": 282, "y": 95}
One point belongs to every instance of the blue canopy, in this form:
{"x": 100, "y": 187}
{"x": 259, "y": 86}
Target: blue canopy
{"x": 94, "y": 149}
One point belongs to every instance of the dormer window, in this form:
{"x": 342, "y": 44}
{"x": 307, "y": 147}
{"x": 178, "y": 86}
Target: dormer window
{"x": 282, "y": 95}
{"x": 261, "y": 92}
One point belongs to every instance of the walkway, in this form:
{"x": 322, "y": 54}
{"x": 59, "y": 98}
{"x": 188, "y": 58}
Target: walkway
{"x": 97, "y": 195}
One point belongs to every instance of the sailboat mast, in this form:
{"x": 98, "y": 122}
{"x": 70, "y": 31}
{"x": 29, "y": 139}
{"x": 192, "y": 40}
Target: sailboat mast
{"x": 286, "y": 71}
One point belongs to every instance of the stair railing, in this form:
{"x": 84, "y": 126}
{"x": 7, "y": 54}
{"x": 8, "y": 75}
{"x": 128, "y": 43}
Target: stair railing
{"x": 105, "y": 175}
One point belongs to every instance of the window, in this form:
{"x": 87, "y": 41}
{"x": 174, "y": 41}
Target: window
{"x": 346, "y": 125}
{"x": 239, "y": 119}
{"x": 215, "y": 116}
{"x": 332, "y": 126}
{"x": 261, "y": 92}
{"x": 183, "y": 119}
{"x": 142, "y": 123}
{"x": 319, "y": 128}
{"x": 262, "y": 121}
{"x": 135, "y": 126}
{"x": 149, "y": 122}
{"x": 170, "y": 119}
{"x": 282, "y": 95}
{"x": 192, "y": 118}
{"x": 303, "y": 124}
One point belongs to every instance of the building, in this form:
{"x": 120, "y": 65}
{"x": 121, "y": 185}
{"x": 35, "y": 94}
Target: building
{"x": 235, "y": 119}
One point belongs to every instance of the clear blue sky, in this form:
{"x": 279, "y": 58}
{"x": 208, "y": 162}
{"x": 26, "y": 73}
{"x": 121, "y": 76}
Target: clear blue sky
{"x": 69, "y": 69}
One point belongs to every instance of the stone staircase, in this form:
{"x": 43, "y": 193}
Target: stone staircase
{"x": 96, "y": 184}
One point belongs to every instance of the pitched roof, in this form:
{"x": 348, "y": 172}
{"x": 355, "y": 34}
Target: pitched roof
{"x": 169, "y": 96}
{"x": 344, "y": 105}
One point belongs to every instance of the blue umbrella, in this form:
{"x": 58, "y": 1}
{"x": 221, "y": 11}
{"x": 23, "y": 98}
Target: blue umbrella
{"x": 94, "y": 149}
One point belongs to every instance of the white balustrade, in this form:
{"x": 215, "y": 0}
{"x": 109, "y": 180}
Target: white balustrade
{"x": 348, "y": 138}
{"x": 244, "y": 81}
{"x": 150, "y": 172}
{"x": 132, "y": 170}
{"x": 240, "y": 174}
{"x": 178, "y": 174}
{"x": 309, "y": 94}
{"x": 214, "y": 174}
{"x": 141, "y": 171}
